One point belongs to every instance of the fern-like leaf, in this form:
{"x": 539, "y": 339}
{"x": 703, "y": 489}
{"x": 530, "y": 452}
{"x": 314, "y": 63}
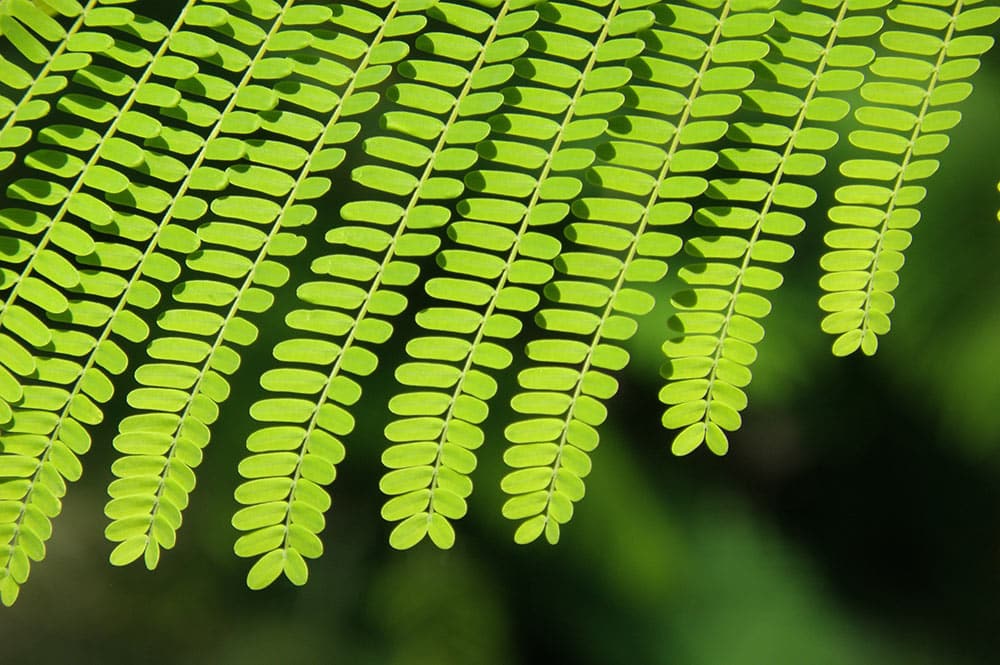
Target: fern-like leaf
{"x": 905, "y": 124}
{"x": 548, "y": 456}
{"x": 431, "y": 459}
{"x": 295, "y": 454}
{"x": 431, "y": 134}
{"x": 636, "y": 169}
{"x": 56, "y": 306}
{"x": 180, "y": 391}
{"x": 709, "y": 363}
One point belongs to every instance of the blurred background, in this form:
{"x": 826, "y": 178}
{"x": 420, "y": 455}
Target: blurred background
{"x": 855, "y": 520}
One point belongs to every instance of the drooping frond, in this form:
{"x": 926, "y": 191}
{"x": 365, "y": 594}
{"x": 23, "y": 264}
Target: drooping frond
{"x": 498, "y": 256}
{"x": 235, "y": 260}
{"x": 644, "y": 174}
{"x": 549, "y": 448}
{"x": 228, "y": 270}
{"x": 431, "y": 459}
{"x": 921, "y": 71}
{"x": 73, "y": 228}
{"x": 295, "y": 453}
{"x": 798, "y": 93}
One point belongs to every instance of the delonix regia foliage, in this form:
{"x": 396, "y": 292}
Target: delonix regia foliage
{"x": 539, "y": 162}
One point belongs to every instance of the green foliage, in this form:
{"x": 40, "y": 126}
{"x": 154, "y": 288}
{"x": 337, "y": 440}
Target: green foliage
{"x": 163, "y": 183}
{"x": 902, "y": 125}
